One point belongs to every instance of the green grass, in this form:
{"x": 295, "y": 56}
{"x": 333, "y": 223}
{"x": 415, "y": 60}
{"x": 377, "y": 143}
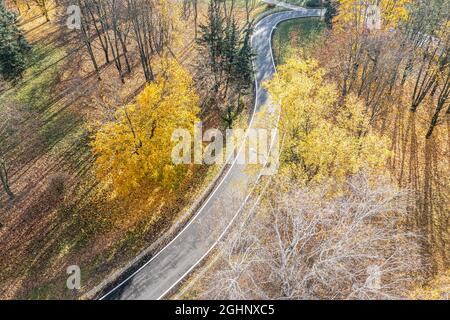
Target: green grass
{"x": 38, "y": 101}
{"x": 296, "y": 35}
{"x": 35, "y": 90}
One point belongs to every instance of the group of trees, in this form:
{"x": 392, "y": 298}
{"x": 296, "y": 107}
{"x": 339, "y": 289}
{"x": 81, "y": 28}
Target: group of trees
{"x": 190, "y": 9}
{"x": 117, "y": 31}
{"x": 402, "y": 73}
{"x": 330, "y": 225}
{"x": 226, "y": 71}
{"x": 412, "y": 48}
{"x": 322, "y": 140}
{"x": 303, "y": 244}
{"x": 134, "y": 148}
{"x": 120, "y": 27}
{"x": 359, "y": 208}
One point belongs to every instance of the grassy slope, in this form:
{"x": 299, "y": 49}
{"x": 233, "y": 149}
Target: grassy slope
{"x": 296, "y": 35}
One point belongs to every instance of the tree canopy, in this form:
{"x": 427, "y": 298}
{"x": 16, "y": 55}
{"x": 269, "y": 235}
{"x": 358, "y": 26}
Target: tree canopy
{"x": 322, "y": 139}
{"x": 134, "y": 150}
{"x": 13, "y": 46}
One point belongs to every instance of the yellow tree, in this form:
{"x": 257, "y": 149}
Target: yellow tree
{"x": 134, "y": 151}
{"x": 355, "y": 13}
{"x": 322, "y": 139}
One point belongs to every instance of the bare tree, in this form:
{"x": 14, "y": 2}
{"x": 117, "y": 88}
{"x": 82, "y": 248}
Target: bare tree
{"x": 86, "y": 37}
{"x": 113, "y": 24}
{"x": 442, "y": 101}
{"x": 305, "y": 244}
{"x": 191, "y": 7}
{"x": 239, "y": 253}
{"x": 250, "y": 6}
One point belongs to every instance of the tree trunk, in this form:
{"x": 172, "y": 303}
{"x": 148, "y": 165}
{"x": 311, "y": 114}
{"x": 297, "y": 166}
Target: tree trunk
{"x": 4, "y": 179}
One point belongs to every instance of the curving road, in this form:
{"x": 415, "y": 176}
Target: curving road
{"x": 176, "y": 260}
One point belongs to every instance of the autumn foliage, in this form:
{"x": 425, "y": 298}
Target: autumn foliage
{"x": 322, "y": 140}
{"x": 401, "y": 72}
{"x": 134, "y": 148}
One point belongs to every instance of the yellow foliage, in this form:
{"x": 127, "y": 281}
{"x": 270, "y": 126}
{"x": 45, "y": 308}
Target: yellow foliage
{"x": 437, "y": 289}
{"x": 134, "y": 151}
{"x": 354, "y": 12}
{"x": 321, "y": 139}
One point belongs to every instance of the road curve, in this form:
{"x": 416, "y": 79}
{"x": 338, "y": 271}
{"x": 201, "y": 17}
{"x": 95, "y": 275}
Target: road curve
{"x": 177, "y": 259}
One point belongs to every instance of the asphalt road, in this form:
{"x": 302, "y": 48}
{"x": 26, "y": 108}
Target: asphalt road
{"x": 168, "y": 267}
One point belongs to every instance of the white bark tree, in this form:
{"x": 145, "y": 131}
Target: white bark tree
{"x": 306, "y": 243}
